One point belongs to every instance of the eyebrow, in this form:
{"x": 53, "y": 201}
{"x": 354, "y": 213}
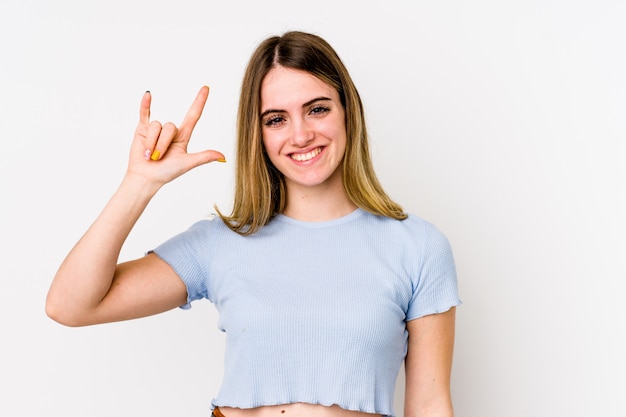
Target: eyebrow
{"x": 308, "y": 103}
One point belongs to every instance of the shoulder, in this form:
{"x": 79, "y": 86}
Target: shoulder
{"x": 208, "y": 226}
{"x": 201, "y": 234}
{"x": 413, "y": 227}
{"x": 418, "y": 240}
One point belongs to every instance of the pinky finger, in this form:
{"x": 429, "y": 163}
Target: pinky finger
{"x": 144, "y": 109}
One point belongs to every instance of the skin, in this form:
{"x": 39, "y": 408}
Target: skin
{"x": 428, "y": 366}
{"x": 89, "y": 287}
{"x": 301, "y": 115}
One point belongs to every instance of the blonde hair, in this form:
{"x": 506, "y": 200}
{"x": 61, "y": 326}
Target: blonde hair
{"x": 260, "y": 191}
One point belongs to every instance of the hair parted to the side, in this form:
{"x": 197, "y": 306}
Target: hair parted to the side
{"x": 260, "y": 191}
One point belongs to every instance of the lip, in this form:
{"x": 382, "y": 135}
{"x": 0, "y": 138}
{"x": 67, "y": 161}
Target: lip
{"x": 318, "y": 149}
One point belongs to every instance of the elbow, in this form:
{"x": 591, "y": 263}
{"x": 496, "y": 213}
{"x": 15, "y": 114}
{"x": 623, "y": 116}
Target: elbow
{"x": 57, "y": 315}
{"x": 64, "y": 320}
{"x": 57, "y": 312}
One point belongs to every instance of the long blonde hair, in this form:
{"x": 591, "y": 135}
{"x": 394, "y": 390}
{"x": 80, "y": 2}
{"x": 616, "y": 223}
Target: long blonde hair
{"x": 260, "y": 191}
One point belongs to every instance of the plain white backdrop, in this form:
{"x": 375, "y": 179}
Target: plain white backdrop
{"x": 501, "y": 122}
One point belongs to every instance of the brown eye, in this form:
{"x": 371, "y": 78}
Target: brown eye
{"x": 319, "y": 110}
{"x": 274, "y": 121}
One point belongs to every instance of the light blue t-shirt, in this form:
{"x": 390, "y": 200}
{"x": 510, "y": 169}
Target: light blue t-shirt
{"x": 316, "y": 312}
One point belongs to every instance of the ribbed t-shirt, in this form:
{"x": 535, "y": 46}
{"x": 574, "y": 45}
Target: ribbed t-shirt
{"x": 316, "y": 312}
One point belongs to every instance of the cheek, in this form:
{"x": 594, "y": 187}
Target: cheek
{"x": 335, "y": 127}
{"x": 266, "y": 140}
{"x": 336, "y": 131}
{"x": 270, "y": 143}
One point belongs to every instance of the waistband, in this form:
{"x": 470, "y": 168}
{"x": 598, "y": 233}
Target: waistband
{"x": 217, "y": 413}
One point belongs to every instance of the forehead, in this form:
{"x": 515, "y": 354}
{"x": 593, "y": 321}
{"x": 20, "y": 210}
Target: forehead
{"x": 284, "y": 87}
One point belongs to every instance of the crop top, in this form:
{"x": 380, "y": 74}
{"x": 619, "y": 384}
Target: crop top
{"x": 315, "y": 312}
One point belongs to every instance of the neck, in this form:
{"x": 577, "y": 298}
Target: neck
{"x": 317, "y": 204}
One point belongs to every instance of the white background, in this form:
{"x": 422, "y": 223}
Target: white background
{"x": 503, "y": 122}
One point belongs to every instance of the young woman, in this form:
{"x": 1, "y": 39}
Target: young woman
{"x": 324, "y": 285}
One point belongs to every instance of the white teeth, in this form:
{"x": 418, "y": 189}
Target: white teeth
{"x": 301, "y": 157}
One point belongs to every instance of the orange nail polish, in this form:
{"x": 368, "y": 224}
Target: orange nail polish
{"x": 221, "y": 160}
{"x": 155, "y": 155}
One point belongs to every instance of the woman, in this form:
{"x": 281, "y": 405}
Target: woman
{"x": 324, "y": 286}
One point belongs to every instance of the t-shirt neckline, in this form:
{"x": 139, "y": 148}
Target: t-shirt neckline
{"x": 319, "y": 225}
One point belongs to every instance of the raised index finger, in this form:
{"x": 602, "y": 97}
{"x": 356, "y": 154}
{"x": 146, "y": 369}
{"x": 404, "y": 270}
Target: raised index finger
{"x": 194, "y": 112}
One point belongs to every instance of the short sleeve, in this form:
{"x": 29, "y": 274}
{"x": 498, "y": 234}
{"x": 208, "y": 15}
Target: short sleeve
{"x": 435, "y": 288}
{"x": 186, "y": 254}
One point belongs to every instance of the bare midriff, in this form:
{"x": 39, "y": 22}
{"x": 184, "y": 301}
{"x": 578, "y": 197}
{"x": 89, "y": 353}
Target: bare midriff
{"x": 293, "y": 410}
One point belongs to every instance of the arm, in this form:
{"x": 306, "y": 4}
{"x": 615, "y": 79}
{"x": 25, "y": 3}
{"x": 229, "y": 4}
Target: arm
{"x": 428, "y": 366}
{"x": 90, "y": 287}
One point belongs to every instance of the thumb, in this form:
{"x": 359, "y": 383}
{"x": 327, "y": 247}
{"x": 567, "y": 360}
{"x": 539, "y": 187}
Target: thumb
{"x": 204, "y": 157}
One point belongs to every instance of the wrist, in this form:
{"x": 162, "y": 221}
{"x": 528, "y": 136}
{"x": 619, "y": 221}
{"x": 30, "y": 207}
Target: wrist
{"x": 139, "y": 186}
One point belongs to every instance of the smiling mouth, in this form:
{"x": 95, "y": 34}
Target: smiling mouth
{"x": 303, "y": 157}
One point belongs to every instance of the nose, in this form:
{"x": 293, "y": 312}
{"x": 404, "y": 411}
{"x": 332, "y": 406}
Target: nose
{"x": 302, "y": 133}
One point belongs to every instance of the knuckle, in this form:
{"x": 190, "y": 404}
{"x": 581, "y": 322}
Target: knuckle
{"x": 170, "y": 126}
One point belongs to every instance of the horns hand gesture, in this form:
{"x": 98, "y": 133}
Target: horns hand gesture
{"x": 159, "y": 152}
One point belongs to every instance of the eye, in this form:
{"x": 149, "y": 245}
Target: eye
{"x": 274, "y": 121}
{"x": 318, "y": 110}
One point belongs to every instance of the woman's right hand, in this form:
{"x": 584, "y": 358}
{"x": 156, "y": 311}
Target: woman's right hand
{"x": 159, "y": 151}
{"x": 90, "y": 287}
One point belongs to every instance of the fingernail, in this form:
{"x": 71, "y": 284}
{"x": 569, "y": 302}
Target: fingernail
{"x": 221, "y": 160}
{"x": 155, "y": 155}
{"x": 147, "y": 91}
{"x": 147, "y": 153}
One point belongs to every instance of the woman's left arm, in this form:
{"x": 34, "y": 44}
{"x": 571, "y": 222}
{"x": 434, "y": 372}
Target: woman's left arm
{"x": 428, "y": 365}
